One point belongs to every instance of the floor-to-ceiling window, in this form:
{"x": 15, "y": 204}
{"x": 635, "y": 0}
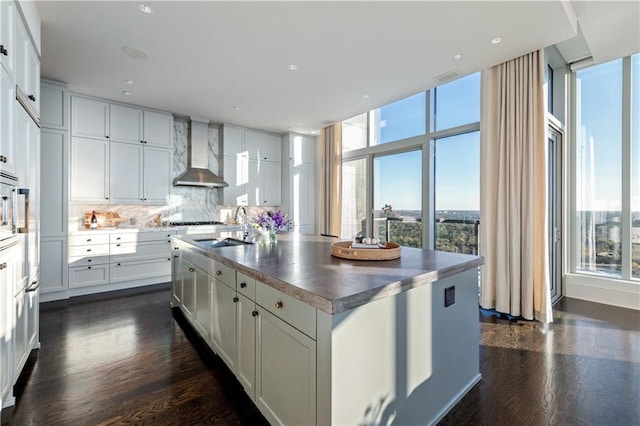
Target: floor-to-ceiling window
{"x": 606, "y": 214}
{"x": 411, "y": 169}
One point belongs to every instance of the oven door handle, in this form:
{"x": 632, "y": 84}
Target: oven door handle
{"x": 5, "y": 211}
{"x": 25, "y": 192}
{"x": 33, "y": 287}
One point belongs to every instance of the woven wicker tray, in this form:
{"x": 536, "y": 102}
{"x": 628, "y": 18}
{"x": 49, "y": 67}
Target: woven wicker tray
{"x": 343, "y": 250}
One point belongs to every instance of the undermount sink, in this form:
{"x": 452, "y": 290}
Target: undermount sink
{"x": 226, "y": 242}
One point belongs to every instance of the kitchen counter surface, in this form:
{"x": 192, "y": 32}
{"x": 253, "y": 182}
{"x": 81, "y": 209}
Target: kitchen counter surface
{"x": 189, "y": 229}
{"x": 302, "y": 266}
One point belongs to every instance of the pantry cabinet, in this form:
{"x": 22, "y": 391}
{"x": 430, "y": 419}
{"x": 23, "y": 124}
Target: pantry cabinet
{"x": 89, "y": 174}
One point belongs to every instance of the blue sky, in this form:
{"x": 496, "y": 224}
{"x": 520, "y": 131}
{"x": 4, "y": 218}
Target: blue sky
{"x": 398, "y": 178}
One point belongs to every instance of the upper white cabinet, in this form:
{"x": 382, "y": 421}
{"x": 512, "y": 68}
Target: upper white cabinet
{"x": 137, "y": 163}
{"x": 89, "y": 118}
{"x": 7, "y": 44}
{"x": 27, "y": 66}
{"x": 7, "y": 146}
{"x": 54, "y": 106}
{"x": 252, "y": 167}
{"x": 301, "y": 182}
{"x": 89, "y": 174}
{"x": 54, "y": 161}
{"x": 134, "y": 125}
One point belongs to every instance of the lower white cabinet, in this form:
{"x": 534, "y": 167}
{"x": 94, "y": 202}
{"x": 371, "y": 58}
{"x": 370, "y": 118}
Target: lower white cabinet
{"x": 53, "y": 260}
{"x": 92, "y": 275}
{"x": 134, "y": 270}
{"x": 262, "y": 345}
{"x": 8, "y": 274}
{"x": 285, "y": 372}
{"x": 26, "y": 328}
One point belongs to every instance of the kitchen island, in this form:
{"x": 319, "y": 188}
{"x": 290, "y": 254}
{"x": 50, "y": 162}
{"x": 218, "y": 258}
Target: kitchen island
{"x": 316, "y": 339}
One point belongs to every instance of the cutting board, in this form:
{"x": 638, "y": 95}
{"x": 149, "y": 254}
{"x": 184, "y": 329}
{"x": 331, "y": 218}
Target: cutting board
{"x": 105, "y": 219}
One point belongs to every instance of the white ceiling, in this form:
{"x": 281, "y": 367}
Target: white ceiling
{"x": 205, "y": 58}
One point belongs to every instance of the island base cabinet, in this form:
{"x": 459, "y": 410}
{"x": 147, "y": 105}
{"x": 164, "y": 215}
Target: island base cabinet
{"x": 176, "y": 281}
{"x": 286, "y": 372}
{"x": 202, "y": 313}
{"x": 188, "y": 273}
{"x": 223, "y": 327}
{"x": 246, "y": 341}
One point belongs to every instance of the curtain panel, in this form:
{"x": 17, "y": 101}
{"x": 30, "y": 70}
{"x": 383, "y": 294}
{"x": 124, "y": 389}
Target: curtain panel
{"x": 513, "y": 189}
{"x": 331, "y": 180}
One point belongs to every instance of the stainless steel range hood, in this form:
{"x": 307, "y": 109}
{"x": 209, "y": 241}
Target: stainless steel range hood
{"x": 198, "y": 173}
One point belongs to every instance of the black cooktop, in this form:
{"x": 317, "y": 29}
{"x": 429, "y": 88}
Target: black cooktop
{"x": 195, "y": 223}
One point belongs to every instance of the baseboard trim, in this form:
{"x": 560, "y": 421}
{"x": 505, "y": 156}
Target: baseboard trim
{"x": 615, "y": 292}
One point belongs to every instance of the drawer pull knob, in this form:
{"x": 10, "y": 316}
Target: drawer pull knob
{"x": 254, "y": 313}
{"x": 218, "y": 272}
{"x": 88, "y": 260}
{"x": 235, "y": 300}
{"x": 118, "y": 238}
{"x": 191, "y": 270}
{"x": 118, "y": 264}
{"x": 88, "y": 267}
{"x": 278, "y": 304}
{"x": 88, "y": 249}
{"x": 88, "y": 239}
{"x": 243, "y": 285}
{"x": 117, "y": 245}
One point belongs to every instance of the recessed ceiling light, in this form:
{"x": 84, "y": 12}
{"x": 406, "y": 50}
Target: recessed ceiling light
{"x": 496, "y": 40}
{"x": 457, "y": 56}
{"x": 366, "y": 96}
{"x": 236, "y": 108}
{"x": 314, "y": 132}
{"x": 144, "y": 8}
{"x": 126, "y": 92}
{"x": 128, "y": 82}
{"x": 292, "y": 67}
{"x": 135, "y": 53}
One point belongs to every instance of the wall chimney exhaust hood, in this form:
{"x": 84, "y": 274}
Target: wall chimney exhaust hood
{"x": 198, "y": 173}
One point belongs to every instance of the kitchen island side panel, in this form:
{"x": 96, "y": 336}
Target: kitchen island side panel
{"x": 405, "y": 358}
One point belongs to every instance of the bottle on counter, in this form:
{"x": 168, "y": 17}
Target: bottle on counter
{"x": 94, "y": 221}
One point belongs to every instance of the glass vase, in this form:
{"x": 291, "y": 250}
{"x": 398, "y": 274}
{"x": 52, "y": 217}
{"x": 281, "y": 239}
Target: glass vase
{"x": 273, "y": 235}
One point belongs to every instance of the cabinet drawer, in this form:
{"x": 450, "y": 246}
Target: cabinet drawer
{"x": 126, "y": 271}
{"x": 83, "y": 276}
{"x": 201, "y": 261}
{"x": 88, "y": 260}
{"x": 79, "y": 240}
{"x": 246, "y": 285}
{"x": 297, "y": 313}
{"x": 89, "y": 250}
{"x": 224, "y": 273}
{"x": 131, "y": 251}
{"x": 138, "y": 237}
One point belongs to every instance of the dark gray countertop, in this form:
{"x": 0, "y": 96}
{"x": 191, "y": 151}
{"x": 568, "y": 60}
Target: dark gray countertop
{"x": 303, "y": 267}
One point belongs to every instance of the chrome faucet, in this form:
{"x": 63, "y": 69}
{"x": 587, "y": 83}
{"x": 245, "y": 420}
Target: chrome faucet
{"x": 243, "y": 217}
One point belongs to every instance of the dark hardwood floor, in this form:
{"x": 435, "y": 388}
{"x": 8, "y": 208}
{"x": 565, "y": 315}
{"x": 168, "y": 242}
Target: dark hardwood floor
{"x": 123, "y": 358}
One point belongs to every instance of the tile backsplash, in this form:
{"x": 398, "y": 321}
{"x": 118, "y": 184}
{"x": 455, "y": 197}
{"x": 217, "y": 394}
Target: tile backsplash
{"x": 185, "y": 204}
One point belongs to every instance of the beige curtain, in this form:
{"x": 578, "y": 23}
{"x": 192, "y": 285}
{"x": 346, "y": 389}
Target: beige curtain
{"x": 331, "y": 180}
{"x": 513, "y": 189}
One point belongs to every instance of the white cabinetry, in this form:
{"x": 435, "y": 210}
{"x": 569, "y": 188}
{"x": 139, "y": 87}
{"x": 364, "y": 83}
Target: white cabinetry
{"x": 252, "y": 167}
{"x": 8, "y": 274}
{"x": 54, "y": 190}
{"x": 223, "y": 320}
{"x": 88, "y": 260}
{"x": 7, "y": 144}
{"x": 138, "y": 256}
{"x": 301, "y": 182}
{"x": 89, "y": 118}
{"x": 89, "y": 174}
{"x": 7, "y": 43}
{"x": 134, "y": 167}
{"x": 27, "y": 66}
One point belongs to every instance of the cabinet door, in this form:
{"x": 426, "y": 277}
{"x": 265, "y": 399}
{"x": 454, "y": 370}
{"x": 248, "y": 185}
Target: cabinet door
{"x": 54, "y": 106}
{"x": 53, "y": 261}
{"x": 89, "y": 118}
{"x": 20, "y": 333}
{"x": 254, "y": 187}
{"x": 301, "y": 194}
{"x": 33, "y": 83}
{"x": 125, "y": 124}
{"x": 246, "y": 340}
{"x": 188, "y": 272}
{"x": 84, "y": 276}
{"x": 33, "y": 236}
{"x": 54, "y": 148}
{"x": 285, "y": 391}
{"x": 7, "y": 145}
{"x": 202, "y": 316}
{"x": 272, "y": 183}
{"x": 302, "y": 150}
{"x": 21, "y": 67}
{"x": 233, "y": 142}
{"x": 223, "y": 327}
{"x": 139, "y": 269}
{"x": 272, "y": 150}
{"x": 7, "y": 275}
{"x": 158, "y": 129}
{"x": 7, "y": 14}
{"x": 32, "y": 302}
{"x": 236, "y": 175}
{"x": 89, "y": 170}
{"x": 125, "y": 171}
{"x": 157, "y": 174}
{"x": 176, "y": 279}
{"x": 254, "y": 144}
